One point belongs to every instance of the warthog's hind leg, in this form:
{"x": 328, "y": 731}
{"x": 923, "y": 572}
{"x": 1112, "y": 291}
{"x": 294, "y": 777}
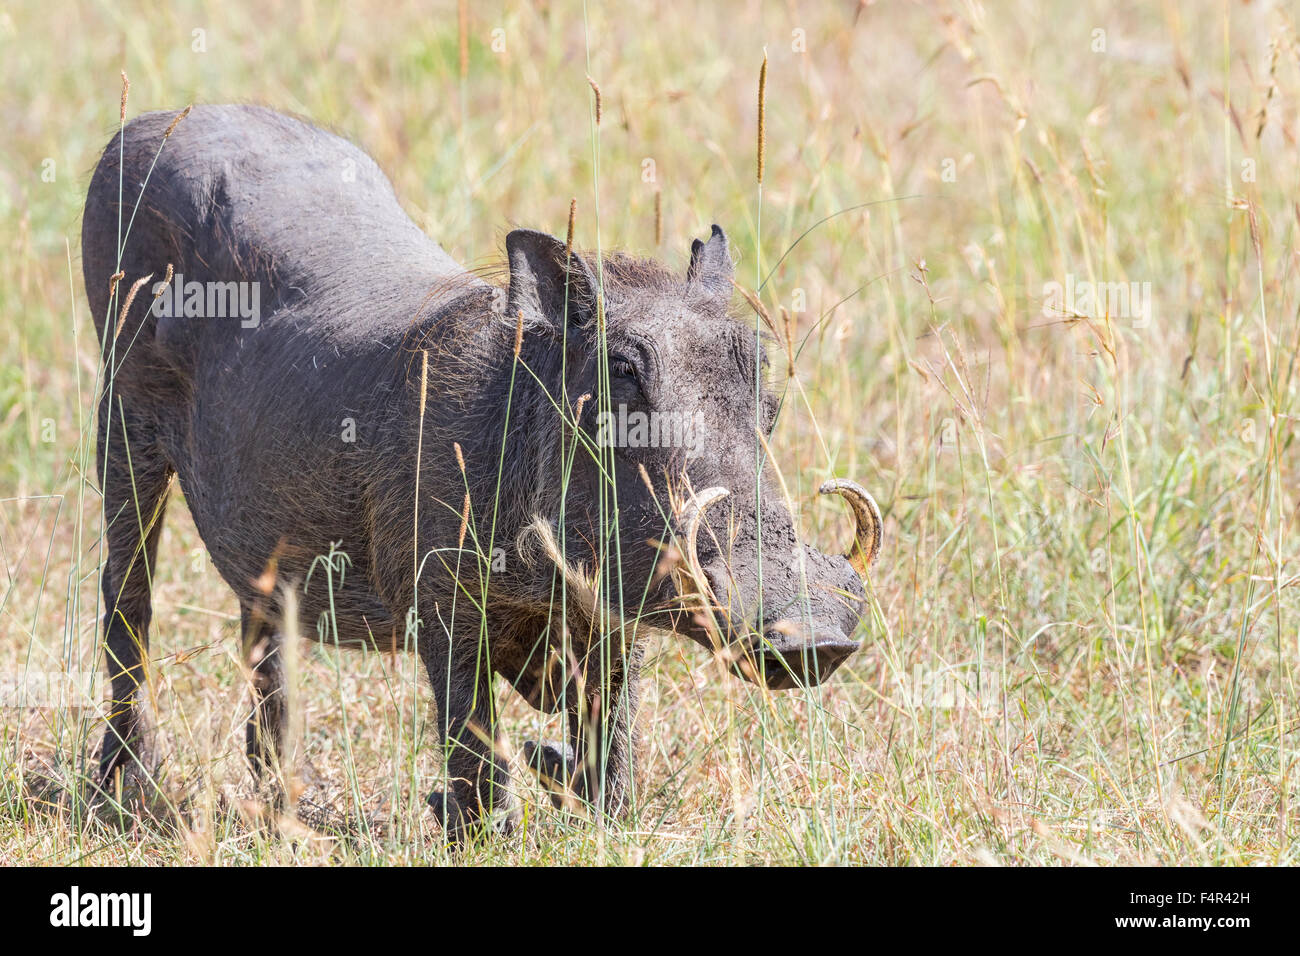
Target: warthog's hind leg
{"x": 265, "y": 730}
{"x": 556, "y": 765}
{"x": 135, "y": 486}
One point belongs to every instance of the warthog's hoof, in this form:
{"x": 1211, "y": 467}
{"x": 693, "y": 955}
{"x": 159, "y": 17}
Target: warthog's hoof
{"x": 461, "y": 827}
{"x": 555, "y": 764}
{"x": 127, "y": 791}
{"x": 441, "y": 803}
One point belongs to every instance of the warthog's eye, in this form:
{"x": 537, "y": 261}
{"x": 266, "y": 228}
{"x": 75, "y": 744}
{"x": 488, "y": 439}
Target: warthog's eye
{"x": 625, "y": 380}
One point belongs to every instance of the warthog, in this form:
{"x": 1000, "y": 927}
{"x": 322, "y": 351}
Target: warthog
{"x": 438, "y": 429}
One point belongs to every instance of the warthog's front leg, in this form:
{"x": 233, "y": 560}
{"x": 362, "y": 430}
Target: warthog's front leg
{"x": 598, "y": 761}
{"x": 477, "y": 777}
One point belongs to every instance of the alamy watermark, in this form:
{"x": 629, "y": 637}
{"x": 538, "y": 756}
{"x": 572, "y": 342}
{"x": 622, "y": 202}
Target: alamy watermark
{"x": 75, "y": 909}
{"x": 208, "y": 300}
{"x": 1130, "y": 301}
{"x": 956, "y": 687}
{"x": 54, "y": 690}
{"x": 624, "y": 428}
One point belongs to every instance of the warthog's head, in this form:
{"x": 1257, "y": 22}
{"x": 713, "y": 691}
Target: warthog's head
{"x": 706, "y": 542}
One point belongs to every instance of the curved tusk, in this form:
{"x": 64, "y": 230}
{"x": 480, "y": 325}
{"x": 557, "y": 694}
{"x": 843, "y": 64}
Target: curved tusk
{"x": 870, "y": 527}
{"x": 691, "y": 518}
{"x": 692, "y": 515}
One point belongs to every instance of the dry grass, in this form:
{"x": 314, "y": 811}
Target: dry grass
{"x": 1084, "y": 639}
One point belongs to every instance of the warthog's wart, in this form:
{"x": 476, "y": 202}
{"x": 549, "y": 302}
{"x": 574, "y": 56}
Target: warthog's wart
{"x": 466, "y": 429}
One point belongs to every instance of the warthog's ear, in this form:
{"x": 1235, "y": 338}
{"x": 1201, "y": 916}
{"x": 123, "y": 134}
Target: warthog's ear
{"x": 538, "y": 286}
{"x": 711, "y": 267}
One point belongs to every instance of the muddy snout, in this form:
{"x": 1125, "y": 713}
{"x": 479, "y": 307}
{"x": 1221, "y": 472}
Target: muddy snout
{"x": 791, "y": 655}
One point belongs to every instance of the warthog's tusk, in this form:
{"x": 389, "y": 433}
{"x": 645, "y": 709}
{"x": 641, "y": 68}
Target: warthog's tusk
{"x": 870, "y": 528}
{"x": 692, "y": 515}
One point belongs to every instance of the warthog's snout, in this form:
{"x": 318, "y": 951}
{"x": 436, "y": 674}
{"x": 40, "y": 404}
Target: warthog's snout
{"x": 791, "y": 656}
{"x": 814, "y": 600}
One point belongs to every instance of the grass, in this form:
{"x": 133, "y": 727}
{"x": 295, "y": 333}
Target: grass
{"x": 1084, "y": 637}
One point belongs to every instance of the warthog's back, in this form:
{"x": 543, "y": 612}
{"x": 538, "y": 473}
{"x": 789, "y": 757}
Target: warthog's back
{"x": 269, "y": 415}
{"x": 242, "y": 193}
